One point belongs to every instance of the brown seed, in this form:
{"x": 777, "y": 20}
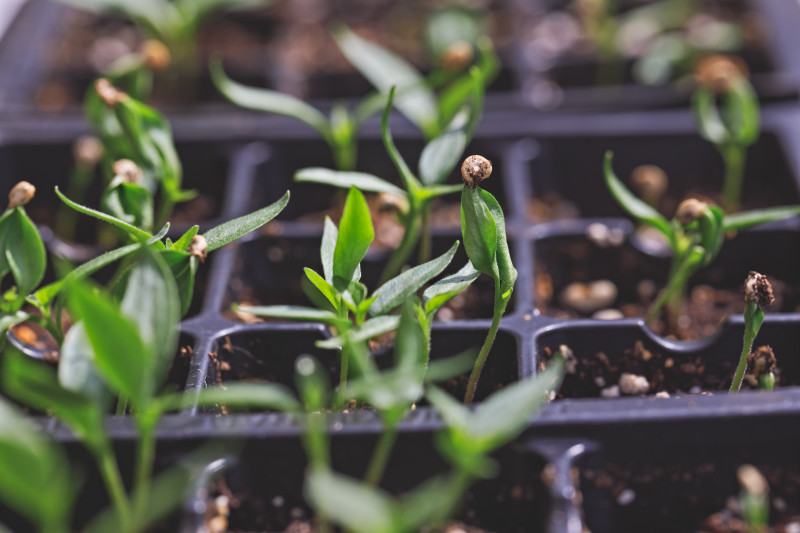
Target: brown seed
{"x": 110, "y": 95}
{"x": 649, "y": 182}
{"x": 718, "y": 72}
{"x": 87, "y": 151}
{"x": 21, "y": 194}
{"x": 198, "y": 247}
{"x": 758, "y": 289}
{"x": 752, "y": 480}
{"x": 690, "y": 210}
{"x": 457, "y": 56}
{"x": 155, "y": 55}
{"x": 475, "y": 169}
{"x": 762, "y": 361}
{"x": 129, "y": 171}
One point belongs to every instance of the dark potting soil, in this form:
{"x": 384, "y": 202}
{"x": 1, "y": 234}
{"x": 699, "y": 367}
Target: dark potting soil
{"x": 595, "y": 375}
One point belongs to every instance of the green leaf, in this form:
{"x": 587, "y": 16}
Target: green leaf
{"x": 442, "y": 155}
{"x": 121, "y": 356}
{"x": 479, "y": 231}
{"x": 354, "y": 505}
{"x": 130, "y": 203}
{"x": 23, "y": 251}
{"x": 505, "y": 267}
{"x": 324, "y": 288}
{"x": 183, "y": 243}
{"x": 151, "y": 302}
{"x": 410, "y": 181}
{"x": 749, "y": 219}
{"x": 742, "y": 113}
{"x": 268, "y": 101}
{"x": 270, "y": 396}
{"x": 35, "y": 477}
{"x": 712, "y": 232}
{"x": 434, "y": 191}
{"x": 135, "y": 232}
{"x": 7, "y": 321}
{"x": 395, "y": 291}
{"x": 239, "y": 227}
{"x": 709, "y": 123}
{"x": 411, "y": 346}
{"x": 355, "y": 236}
{"x": 453, "y": 413}
{"x": 292, "y": 312}
{"x": 344, "y": 180}
{"x": 443, "y": 290}
{"x": 76, "y": 367}
{"x": 183, "y": 266}
{"x": 385, "y": 70}
{"x": 638, "y": 209}
{"x": 330, "y": 235}
{"x": 368, "y": 330}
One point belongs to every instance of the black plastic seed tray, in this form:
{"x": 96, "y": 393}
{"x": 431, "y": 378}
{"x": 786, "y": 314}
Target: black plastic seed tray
{"x": 608, "y": 464}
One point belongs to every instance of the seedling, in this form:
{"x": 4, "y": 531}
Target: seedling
{"x": 732, "y": 125}
{"x": 695, "y": 236}
{"x": 757, "y": 296}
{"x": 437, "y": 161}
{"x": 174, "y": 23}
{"x": 415, "y": 96}
{"x": 467, "y": 441}
{"x": 483, "y": 228}
{"x": 754, "y": 498}
{"x": 346, "y": 305}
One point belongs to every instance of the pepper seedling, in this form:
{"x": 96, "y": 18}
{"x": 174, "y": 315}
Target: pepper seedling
{"x": 695, "y": 236}
{"x": 753, "y": 498}
{"x": 483, "y": 228}
{"x": 757, "y": 296}
{"x": 467, "y": 441}
{"x": 733, "y": 124}
{"x": 344, "y": 303}
{"x": 415, "y": 96}
{"x": 174, "y": 23}
{"x": 437, "y": 161}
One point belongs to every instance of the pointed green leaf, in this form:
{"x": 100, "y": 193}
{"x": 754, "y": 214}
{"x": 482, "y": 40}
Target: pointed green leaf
{"x": 443, "y": 290}
{"x": 454, "y": 414}
{"x": 442, "y": 154}
{"x": 130, "y": 203}
{"x": 292, "y": 312}
{"x": 267, "y": 101}
{"x": 135, "y": 232}
{"x": 750, "y": 219}
{"x": 344, "y": 180}
{"x": 76, "y": 367}
{"x": 239, "y": 227}
{"x": 505, "y": 267}
{"x": 411, "y": 347}
{"x": 355, "y": 506}
{"x": 325, "y": 288}
{"x": 479, "y": 231}
{"x": 330, "y": 234}
{"x": 355, "y": 236}
{"x": 709, "y": 123}
{"x": 23, "y": 251}
{"x": 368, "y": 330}
{"x": 183, "y": 243}
{"x": 395, "y": 291}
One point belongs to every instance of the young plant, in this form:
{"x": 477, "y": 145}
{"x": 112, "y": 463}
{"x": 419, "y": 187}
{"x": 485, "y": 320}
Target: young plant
{"x": 467, "y": 441}
{"x": 437, "y": 161}
{"x": 733, "y": 124}
{"x": 174, "y": 23}
{"x": 695, "y": 236}
{"x": 340, "y": 130}
{"x": 483, "y": 228}
{"x": 757, "y": 296}
{"x": 754, "y": 498}
{"x": 345, "y": 304}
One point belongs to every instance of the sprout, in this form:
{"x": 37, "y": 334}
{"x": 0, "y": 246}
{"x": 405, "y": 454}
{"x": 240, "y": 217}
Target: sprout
{"x": 757, "y": 294}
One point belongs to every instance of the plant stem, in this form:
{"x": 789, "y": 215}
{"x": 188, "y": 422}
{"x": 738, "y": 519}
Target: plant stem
{"x": 144, "y": 468}
{"x": 425, "y": 244}
{"x": 673, "y": 292}
{"x": 499, "y": 309}
{"x": 734, "y": 157}
{"x": 380, "y": 456}
{"x": 749, "y": 336}
{"x": 343, "y": 375}
{"x": 122, "y": 405}
{"x": 403, "y": 252}
{"x": 113, "y": 480}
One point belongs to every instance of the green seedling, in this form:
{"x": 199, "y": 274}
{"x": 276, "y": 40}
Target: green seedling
{"x": 415, "y": 96}
{"x": 732, "y": 125}
{"x": 483, "y": 228}
{"x": 754, "y": 498}
{"x": 468, "y": 440}
{"x": 174, "y": 23}
{"x": 344, "y": 303}
{"x": 695, "y": 236}
{"x": 436, "y": 163}
{"x": 757, "y": 296}
{"x": 115, "y": 348}
{"x": 25, "y": 258}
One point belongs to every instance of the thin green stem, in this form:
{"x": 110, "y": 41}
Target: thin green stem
{"x": 734, "y": 157}
{"x": 144, "y": 469}
{"x": 425, "y": 243}
{"x": 750, "y": 333}
{"x": 380, "y": 456}
{"x": 403, "y": 251}
{"x": 343, "y": 375}
{"x": 113, "y": 481}
{"x": 499, "y": 309}
{"x": 122, "y": 405}
{"x": 679, "y": 276}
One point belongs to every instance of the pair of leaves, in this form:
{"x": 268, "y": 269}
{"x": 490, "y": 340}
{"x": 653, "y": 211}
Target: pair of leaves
{"x": 131, "y": 203}
{"x": 484, "y": 230}
{"x": 737, "y": 123}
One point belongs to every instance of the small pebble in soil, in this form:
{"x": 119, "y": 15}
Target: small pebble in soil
{"x": 633, "y": 385}
{"x": 603, "y": 236}
{"x": 610, "y": 392}
{"x": 600, "y": 381}
{"x": 589, "y": 297}
{"x": 695, "y": 390}
{"x": 626, "y": 497}
{"x": 662, "y": 394}
{"x": 646, "y": 290}
{"x": 277, "y": 501}
{"x": 608, "y": 314}
{"x": 793, "y": 527}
